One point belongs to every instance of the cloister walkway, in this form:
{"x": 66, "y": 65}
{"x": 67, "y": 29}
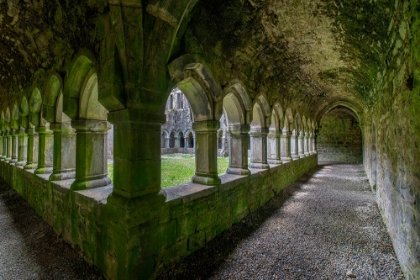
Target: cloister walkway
{"x": 325, "y": 226}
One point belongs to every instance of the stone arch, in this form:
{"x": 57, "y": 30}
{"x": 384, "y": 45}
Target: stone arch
{"x": 237, "y": 105}
{"x": 261, "y": 114}
{"x": 275, "y": 130}
{"x": 181, "y": 139}
{"x": 35, "y": 104}
{"x": 277, "y": 117}
{"x": 15, "y": 115}
{"x": 53, "y": 88}
{"x": 288, "y": 120}
{"x": 81, "y": 105}
{"x": 204, "y": 95}
{"x": 189, "y": 135}
{"x": 164, "y": 139}
{"x": 172, "y": 139}
{"x": 24, "y": 112}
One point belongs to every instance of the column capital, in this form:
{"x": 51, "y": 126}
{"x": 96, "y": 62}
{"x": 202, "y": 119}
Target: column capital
{"x": 90, "y": 125}
{"x": 136, "y": 116}
{"x": 62, "y": 127}
{"x": 206, "y": 126}
{"x": 238, "y": 128}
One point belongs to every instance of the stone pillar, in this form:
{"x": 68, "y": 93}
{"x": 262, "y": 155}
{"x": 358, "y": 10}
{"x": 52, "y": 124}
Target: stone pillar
{"x": 14, "y": 159}
{"x": 294, "y": 145}
{"x": 313, "y": 144}
{"x": 8, "y": 146}
{"x": 301, "y": 140}
{"x": 259, "y": 148}
{"x": 22, "y": 148}
{"x": 45, "y": 150}
{"x": 64, "y": 161}
{"x": 32, "y": 161}
{"x": 177, "y": 142}
{"x": 238, "y": 149}
{"x": 274, "y": 147}
{"x": 1, "y": 146}
{"x": 306, "y": 144}
{"x": 166, "y": 142}
{"x": 206, "y": 153}
{"x": 285, "y": 146}
{"x": 91, "y": 154}
{"x": 186, "y": 143}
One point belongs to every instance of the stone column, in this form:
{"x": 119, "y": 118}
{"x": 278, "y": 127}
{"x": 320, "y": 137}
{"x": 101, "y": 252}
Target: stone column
{"x": 14, "y": 159}
{"x": 32, "y": 161}
{"x": 64, "y": 161}
{"x": 177, "y": 142}
{"x": 274, "y": 147}
{"x": 1, "y": 146}
{"x": 91, "y": 154}
{"x": 300, "y": 143}
{"x": 45, "y": 150}
{"x": 294, "y": 145}
{"x": 8, "y": 146}
{"x": 186, "y": 143}
{"x": 306, "y": 144}
{"x": 33, "y": 145}
{"x": 238, "y": 149}
{"x": 166, "y": 142}
{"x": 313, "y": 144}
{"x": 23, "y": 147}
{"x": 137, "y": 168}
{"x": 285, "y": 146}
{"x": 259, "y": 148}
{"x": 206, "y": 153}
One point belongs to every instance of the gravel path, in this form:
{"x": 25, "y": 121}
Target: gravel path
{"x": 30, "y": 249}
{"x": 324, "y": 226}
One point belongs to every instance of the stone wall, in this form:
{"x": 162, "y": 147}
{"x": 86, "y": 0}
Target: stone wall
{"x": 173, "y": 225}
{"x": 339, "y": 140}
{"x": 392, "y": 137}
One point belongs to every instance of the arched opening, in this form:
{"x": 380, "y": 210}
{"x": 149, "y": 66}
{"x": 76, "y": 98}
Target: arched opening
{"x": 261, "y": 115}
{"x": 190, "y": 140}
{"x": 339, "y": 137}
{"x": 89, "y": 118}
{"x": 181, "y": 140}
{"x": 219, "y": 139}
{"x": 172, "y": 140}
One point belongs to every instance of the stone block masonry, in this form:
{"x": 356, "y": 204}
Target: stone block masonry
{"x": 188, "y": 217}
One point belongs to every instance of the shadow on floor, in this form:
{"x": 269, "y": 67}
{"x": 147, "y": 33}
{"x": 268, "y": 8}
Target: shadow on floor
{"x": 202, "y": 263}
{"x": 49, "y": 256}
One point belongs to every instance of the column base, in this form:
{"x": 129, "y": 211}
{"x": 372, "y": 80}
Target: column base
{"x": 206, "y": 179}
{"x": 90, "y": 183}
{"x": 31, "y": 166}
{"x": 259, "y": 165}
{"x": 306, "y": 154}
{"x": 63, "y": 175}
{"x": 20, "y": 163}
{"x": 238, "y": 171}
{"x": 43, "y": 170}
{"x": 274, "y": 161}
{"x": 294, "y": 157}
{"x": 286, "y": 159}
{"x": 13, "y": 161}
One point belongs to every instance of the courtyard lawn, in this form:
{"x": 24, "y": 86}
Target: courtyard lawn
{"x": 179, "y": 168}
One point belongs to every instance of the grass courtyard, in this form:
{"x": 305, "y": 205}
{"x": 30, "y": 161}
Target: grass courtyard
{"x": 179, "y": 168}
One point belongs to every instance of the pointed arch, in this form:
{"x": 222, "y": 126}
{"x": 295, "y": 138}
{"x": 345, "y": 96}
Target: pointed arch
{"x": 237, "y": 105}
{"x": 35, "y": 104}
{"x": 53, "y": 88}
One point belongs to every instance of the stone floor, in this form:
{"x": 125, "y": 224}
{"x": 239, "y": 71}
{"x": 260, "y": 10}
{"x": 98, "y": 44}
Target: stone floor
{"x": 324, "y": 226}
{"x": 30, "y": 249}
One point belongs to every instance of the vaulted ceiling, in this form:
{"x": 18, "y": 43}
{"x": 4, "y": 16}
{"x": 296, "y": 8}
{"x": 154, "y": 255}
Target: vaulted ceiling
{"x": 304, "y": 53}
